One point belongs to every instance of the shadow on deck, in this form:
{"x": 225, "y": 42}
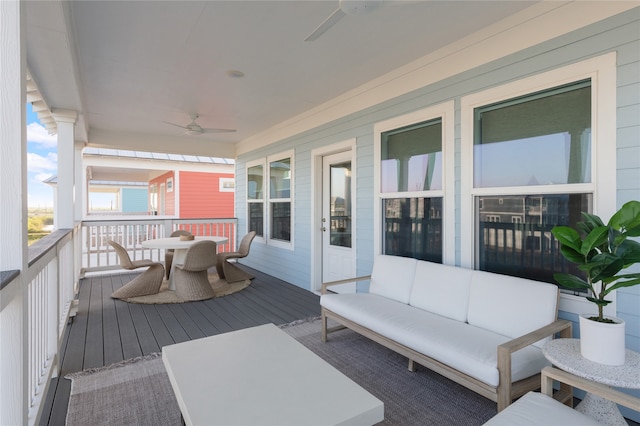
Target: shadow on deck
{"x": 107, "y": 331}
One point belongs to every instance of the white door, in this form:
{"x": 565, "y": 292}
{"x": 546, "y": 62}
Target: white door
{"x": 337, "y": 232}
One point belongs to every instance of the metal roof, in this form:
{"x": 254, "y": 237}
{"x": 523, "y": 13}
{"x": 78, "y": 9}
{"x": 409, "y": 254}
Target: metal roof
{"x": 156, "y": 156}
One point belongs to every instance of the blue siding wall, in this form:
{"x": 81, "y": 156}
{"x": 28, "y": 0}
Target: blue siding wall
{"x": 134, "y": 200}
{"x": 620, "y": 34}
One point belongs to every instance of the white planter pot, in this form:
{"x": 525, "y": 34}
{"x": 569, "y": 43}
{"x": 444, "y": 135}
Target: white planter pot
{"x": 601, "y": 342}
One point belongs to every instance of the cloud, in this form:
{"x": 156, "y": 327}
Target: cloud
{"x": 36, "y": 133}
{"x": 40, "y": 164}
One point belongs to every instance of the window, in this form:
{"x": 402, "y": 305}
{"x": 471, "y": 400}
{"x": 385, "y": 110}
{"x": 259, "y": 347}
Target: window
{"x": 255, "y": 199}
{"x": 411, "y": 159}
{"x": 531, "y": 151}
{"x": 227, "y": 185}
{"x": 280, "y": 199}
{"x": 170, "y": 184}
{"x": 271, "y": 216}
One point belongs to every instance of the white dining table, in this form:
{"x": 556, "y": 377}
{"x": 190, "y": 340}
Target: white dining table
{"x": 179, "y": 248}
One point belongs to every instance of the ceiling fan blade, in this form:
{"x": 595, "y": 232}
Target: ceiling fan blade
{"x": 218, "y": 130}
{"x": 173, "y": 124}
{"x": 328, "y": 23}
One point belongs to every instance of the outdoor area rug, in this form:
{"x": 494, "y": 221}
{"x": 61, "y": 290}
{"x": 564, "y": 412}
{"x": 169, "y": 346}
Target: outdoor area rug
{"x": 138, "y": 391}
{"x": 219, "y": 285}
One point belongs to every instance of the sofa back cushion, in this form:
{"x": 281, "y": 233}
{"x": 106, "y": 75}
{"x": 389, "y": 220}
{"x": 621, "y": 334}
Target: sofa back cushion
{"x": 441, "y": 289}
{"x": 511, "y": 306}
{"x": 392, "y": 277}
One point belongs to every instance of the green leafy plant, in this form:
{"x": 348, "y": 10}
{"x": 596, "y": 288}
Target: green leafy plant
{"x": 604, "y": 251}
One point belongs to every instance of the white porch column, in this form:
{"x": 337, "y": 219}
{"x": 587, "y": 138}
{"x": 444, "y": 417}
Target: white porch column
{"x": 64, "y": 209}
{"x": 80, "y": 182}
{"x": 13, "y": 214}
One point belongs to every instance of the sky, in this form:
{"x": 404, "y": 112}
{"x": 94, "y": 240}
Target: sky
{"x": 42, "y": 161}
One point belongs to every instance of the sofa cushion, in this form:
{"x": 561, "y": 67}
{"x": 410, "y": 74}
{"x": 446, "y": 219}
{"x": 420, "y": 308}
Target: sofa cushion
{"x": 441, "y": 289}
{"x": 392, "y": 277}
{"x": 471, "y": 350}
{"x": 509, "y": 305}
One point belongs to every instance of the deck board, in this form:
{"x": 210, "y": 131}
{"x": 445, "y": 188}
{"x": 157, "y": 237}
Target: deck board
{"x": 105, "y": 330}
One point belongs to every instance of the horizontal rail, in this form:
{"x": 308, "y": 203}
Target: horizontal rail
{"x": 98, "y": 255}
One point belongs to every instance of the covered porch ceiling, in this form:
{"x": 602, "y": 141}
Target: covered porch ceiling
{"x": 131, "y": 67}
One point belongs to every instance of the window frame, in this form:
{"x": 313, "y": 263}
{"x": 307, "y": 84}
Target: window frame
{"x": 223, "y": 182}
{"x": 267, "y": 200}
{"x": 601, "y": 71}
{"x": 249, "y": 165}
{"x": 446, "y": 113}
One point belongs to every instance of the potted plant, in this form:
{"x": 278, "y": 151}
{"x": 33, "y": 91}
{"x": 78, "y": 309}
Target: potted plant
{"x": 602, "y": 252}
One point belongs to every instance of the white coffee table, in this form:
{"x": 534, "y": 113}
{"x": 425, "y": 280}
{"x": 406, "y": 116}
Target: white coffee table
{"x": 263, "y": 376}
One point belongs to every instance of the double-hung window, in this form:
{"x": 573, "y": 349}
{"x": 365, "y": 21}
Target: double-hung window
{"x": 269, "y": 198}
{"x": 534, "y": 159}
{"x": 410, "y": 152}
{"x": 255, "y": 198}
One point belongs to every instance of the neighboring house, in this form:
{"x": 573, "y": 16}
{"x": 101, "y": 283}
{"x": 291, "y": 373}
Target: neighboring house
{"x": 191, "y": 194}
{"x": 161, "y": 184}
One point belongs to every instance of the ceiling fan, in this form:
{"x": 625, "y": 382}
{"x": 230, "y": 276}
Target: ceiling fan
{"x": 194, "y": 129}
{"x": 345, "y": 7}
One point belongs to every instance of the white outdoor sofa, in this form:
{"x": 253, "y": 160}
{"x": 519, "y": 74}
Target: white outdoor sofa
{"x": 479, "y": 329}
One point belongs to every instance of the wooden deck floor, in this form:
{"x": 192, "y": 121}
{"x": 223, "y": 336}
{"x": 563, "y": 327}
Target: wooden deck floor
{"x": 106, "y": 331}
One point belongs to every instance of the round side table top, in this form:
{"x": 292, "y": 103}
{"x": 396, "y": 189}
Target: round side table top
{"x": 565, "y": 354}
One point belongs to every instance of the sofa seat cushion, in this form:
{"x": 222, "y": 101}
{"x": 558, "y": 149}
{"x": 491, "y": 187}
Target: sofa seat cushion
{"x": 537, "y": 409}
{"x": 469, "y": 349}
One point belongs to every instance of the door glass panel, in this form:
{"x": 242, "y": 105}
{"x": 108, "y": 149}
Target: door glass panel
{"x": 340, "y": 203}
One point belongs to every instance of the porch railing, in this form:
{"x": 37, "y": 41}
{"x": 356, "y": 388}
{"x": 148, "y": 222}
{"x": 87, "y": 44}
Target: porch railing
{"x": 34, "y": 310}
{"x": 35, "y": 304}
{"x": 98, "y": 255}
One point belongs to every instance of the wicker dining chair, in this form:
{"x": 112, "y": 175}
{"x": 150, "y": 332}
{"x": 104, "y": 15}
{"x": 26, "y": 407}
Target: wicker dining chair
{"x": 168, "y": 254}
{"x": 148, "y": 282}
{"x": 227, "y": 270}
{"x": 191, "y": 277}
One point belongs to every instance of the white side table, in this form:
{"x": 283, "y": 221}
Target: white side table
{"x": 565, "y": 354}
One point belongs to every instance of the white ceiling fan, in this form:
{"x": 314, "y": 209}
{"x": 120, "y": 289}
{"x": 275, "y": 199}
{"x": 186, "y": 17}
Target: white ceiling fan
{"x": 194, "y": 129}
{"x": 345, "y": 7}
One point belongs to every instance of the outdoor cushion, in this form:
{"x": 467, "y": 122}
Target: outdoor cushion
{"x": 510, "y": 306}
{"x": 441, "y": 289}
{"x": 392, "y": 277}
{"x": 466, "y": 348}
{"x": 537, "y": 409}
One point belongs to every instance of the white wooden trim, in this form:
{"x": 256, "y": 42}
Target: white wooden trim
{"x": 14, "y": 309}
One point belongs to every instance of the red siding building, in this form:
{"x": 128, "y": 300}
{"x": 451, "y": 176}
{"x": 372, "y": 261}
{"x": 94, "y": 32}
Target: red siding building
{"x": 193, "y": 195}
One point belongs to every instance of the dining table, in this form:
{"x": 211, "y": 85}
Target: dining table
{"x": 180, "y": 247}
